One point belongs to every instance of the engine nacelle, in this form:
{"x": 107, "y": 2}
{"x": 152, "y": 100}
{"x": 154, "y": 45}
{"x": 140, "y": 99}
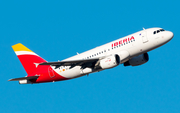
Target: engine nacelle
{"x": 138, "y": 60}
{"x": 110, "y": 61}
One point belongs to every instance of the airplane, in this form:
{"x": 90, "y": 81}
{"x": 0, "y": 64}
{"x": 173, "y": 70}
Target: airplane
{"x": 130, "y": 50}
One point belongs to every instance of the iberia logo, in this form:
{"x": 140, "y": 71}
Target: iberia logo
{"x": 122, "y": 41}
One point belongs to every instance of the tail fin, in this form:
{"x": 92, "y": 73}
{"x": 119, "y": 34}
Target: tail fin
{"x": 28, "y": 58}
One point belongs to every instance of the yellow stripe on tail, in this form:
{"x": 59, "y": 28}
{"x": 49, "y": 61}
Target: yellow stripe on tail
{"x": 20, "y": 47}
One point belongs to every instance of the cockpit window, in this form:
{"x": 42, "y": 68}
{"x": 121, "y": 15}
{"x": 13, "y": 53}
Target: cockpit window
{"x": 161, "y": 30}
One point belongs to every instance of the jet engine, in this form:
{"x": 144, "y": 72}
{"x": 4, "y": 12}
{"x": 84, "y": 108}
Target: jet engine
{"x": 110, "y": 61}
{"x": 138, "y": 60}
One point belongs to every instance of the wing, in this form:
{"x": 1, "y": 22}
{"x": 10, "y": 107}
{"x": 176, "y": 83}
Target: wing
{"x": 84, "y": 63}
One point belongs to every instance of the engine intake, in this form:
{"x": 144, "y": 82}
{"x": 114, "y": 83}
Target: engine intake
{"x": 138, "y": 60}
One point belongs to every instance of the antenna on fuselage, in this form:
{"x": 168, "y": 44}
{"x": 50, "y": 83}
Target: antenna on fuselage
{"x": 144, "y": 28}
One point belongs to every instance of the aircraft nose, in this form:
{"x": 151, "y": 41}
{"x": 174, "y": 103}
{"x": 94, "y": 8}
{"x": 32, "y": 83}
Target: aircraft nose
{"x": 170, "y": 35}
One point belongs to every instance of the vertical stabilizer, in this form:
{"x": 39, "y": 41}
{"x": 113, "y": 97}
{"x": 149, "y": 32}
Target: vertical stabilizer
{"x": 28, "y": 58}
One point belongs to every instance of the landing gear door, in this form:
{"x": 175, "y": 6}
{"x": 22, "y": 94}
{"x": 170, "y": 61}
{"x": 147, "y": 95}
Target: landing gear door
{"x": 144, "y": 36}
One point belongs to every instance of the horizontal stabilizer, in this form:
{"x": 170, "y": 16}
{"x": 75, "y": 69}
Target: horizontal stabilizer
{"x": 24, "y": 78}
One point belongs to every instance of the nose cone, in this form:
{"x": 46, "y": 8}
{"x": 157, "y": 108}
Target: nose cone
{"x": 169, "y": 35}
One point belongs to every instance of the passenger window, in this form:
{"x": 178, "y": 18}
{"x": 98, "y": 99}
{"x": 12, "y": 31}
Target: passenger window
{"x": 158, "y": 31}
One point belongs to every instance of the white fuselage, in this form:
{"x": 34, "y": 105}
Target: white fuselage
{"x": 126, "y": 47}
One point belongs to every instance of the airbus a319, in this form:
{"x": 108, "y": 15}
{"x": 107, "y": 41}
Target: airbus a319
{"x": 130, "y": 50}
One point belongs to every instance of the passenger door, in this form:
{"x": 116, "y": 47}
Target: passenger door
{"x": 51, "y": 73}
{"x": 144, "y": 37}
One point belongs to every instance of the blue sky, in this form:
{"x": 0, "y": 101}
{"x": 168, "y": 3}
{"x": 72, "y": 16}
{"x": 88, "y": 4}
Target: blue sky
{"x": 58, "y": 29}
